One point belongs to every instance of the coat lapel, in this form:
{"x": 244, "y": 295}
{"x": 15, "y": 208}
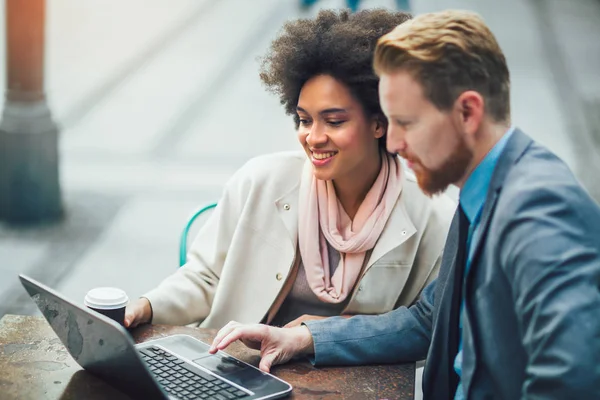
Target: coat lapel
{"x": 515, "y": 147}
{"x": 392, "y": 238}
{"x": 287, "y": 209}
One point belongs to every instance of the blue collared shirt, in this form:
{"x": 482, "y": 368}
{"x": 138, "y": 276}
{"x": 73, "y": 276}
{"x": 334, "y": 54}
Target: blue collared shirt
{"x": 472, "y": 199}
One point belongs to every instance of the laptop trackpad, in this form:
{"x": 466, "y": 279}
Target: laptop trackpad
{"x": 221, "y": 364}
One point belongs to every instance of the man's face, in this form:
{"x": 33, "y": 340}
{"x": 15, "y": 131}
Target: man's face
{"x": 429, "y": 139}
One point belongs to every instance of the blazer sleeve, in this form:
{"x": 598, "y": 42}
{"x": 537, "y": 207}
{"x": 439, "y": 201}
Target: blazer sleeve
{"x": 401, "y": 335}
{"x": 551, "y": 242}
{"x": 187, "y": 295}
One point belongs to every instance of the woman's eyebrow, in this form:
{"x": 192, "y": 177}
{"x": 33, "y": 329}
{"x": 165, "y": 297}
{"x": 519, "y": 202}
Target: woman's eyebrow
{"x": 326, "y": 111}
{"x": 333, "y": 111}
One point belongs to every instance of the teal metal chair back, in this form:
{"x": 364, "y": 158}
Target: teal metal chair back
{"x": 184, "y": 235}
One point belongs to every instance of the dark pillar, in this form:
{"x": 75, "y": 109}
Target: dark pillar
{"x": 29, "y": 184}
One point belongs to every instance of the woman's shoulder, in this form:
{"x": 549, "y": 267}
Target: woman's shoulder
{"x": 272, "y": 169}
{"x": 284, "y": 159}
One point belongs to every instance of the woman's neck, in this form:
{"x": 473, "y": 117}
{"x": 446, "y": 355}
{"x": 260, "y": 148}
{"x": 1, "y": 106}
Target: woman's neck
{"x": 352, "y": 190}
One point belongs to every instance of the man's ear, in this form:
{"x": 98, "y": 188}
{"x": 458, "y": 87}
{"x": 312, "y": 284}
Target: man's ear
{"x": 471, "y": 111}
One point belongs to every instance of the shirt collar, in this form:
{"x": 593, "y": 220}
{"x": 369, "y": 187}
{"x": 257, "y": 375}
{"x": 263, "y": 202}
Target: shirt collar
{"x": 474, "y": 191}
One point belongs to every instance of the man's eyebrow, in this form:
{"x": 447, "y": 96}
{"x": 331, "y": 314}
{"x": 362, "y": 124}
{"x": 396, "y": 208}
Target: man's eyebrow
{"x": 401, "y": 117}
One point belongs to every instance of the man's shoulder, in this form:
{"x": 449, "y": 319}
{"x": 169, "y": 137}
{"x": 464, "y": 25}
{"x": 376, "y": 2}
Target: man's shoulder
{"x": 538, "y": 181}
{"x": 538, "y": 172}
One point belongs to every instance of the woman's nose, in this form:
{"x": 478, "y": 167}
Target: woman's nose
{"x": 316, "y": 136}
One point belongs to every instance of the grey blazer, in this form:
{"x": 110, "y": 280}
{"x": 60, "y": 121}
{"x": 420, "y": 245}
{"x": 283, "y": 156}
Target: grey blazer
{"x": 532, "y": 327}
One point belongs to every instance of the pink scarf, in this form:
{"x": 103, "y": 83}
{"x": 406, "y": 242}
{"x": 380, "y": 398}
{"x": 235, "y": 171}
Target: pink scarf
{"x": 323, "y": 220}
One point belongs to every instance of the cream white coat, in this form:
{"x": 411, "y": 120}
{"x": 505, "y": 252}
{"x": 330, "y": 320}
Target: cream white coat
{"x": 240, "y": 261}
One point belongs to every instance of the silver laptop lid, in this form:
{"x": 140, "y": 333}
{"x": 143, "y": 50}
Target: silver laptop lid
{"x": 96, "y": 342}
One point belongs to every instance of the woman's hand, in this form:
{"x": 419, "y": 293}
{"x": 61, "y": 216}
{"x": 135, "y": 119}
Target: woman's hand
{"x": 298, "y": 321}
{"x": 138, "y": 312}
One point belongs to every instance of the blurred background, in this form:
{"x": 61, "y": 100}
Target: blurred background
{"x": 157, "y": 103}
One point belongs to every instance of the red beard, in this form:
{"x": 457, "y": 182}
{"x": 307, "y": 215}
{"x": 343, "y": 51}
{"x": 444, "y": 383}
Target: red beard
{"x": 452, "y": 170}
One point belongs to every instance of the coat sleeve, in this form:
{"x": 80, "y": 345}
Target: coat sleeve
{"x": 553, "y": 261}
{"x": 187, "y": 295}
{"x": 401, "y": 335}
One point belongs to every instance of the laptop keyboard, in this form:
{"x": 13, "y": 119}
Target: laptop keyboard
{"x": 185, "y": 381}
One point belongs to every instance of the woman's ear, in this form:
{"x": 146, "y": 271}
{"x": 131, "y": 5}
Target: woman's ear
{"x": 379, "y": 127}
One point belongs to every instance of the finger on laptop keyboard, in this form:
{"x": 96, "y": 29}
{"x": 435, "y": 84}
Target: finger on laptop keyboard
{"x": 252, "y": 336}
{"x": 224, "y": 331}
{"x": 236, "y": 333}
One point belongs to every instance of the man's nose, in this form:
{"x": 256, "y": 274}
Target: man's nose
{"x": 394, "y": 141}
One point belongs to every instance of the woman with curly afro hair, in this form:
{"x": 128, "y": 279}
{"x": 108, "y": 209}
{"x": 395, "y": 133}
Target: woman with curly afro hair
{"x": 339, "y": 229}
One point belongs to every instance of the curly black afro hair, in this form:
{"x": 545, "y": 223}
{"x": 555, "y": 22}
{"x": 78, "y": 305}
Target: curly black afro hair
{"x": 335, "y": 43}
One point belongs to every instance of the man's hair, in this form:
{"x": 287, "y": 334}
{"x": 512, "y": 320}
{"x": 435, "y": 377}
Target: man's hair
{"x": 449, "y": 52}
{"x": 335, "y": 43}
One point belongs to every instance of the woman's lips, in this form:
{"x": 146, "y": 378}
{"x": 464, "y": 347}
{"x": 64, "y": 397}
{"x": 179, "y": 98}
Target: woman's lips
{"x": 323, "y": 158}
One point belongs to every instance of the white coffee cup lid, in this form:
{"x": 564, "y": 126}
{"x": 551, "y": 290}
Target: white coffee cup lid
{"x": 106, "y": 298}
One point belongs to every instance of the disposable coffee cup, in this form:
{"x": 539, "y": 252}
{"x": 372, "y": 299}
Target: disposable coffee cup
{"x": 108, "y": 301}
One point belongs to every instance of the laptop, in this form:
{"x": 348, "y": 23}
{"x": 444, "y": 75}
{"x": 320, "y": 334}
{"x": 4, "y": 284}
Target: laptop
{"x": 172, "y": 367}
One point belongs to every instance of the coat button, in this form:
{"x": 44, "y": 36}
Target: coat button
{"x": 286, "y": 207}
{"x": 279, "y": 276}
{"x": 360, "y": 288}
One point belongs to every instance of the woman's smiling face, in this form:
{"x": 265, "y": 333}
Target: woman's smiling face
{"x": 338, "y": 137}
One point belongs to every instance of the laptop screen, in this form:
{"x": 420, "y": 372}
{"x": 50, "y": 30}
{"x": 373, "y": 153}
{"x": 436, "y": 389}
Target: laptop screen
{"x": 96, "y": 342}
